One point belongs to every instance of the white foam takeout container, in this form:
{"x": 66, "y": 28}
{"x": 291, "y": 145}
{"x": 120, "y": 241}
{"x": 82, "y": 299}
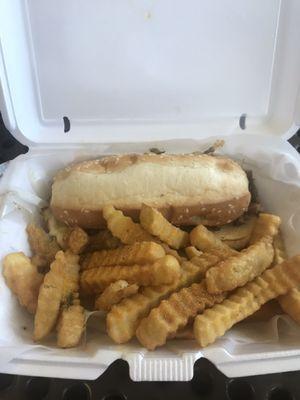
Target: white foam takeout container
{"x": 135, "y": 74}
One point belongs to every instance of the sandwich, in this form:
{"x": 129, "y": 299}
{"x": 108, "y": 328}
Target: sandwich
{"x": 188, "y": 189}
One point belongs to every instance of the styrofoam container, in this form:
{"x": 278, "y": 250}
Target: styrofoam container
{"x": 127, "y": 75}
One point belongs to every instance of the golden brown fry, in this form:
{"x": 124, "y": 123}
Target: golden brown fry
{"x": 69, "y": 271}
{"x": 114, "y": 293}
{"x": 60, "y": 231}
{"x": 236, "y": 236}
{"x": 205, "y": 266}
{"x": 172, "y": 252}
{"x": 137, "y": 253}
{"x": 174, "y": 313}
{"x": 156, "y": 224}
{"x": 279, "y": 250}
{"x": 103, "y": 240}
{"x": 71, "y": 325}
{"x": 123, "y": 227}
{"x": 245, "y": 301}
{"x": 191, "y": 252}
{"x": 205, "y": 240}
{"x": 77, "y": 240}
{"x": 163, "y": 271}
{"x": 266, "y": 312}
{"x": 49, "y": 300}
{"x": 290, "y": 303}
{"x": 124, "y": 317}
{"x": 266, "y": 225}
{"x": 22, "y": 277}
{"x": 238, "y": 270}
{"x": 60, "y": 283}
{"x": 42, "y": 245}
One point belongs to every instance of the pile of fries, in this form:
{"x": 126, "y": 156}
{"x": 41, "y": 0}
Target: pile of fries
{"x": 152, "y": 280}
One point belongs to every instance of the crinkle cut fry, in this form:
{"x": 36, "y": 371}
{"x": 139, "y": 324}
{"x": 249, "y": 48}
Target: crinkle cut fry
{"x": 71, "y": 325}
{"x": 43, "y": 246}
{"x": 174, "y": 313}
{"x": 114, "y": 293}
{"x": 163, "y": 271}
{"x": 123, "y": 227}
{"x": 279, "y": 249}
{"x": 238, "y": 270}
{"x": 60, "y": 283}
{"x": 266, "y": 225}
{"x": 289, "y": 302}
{"x": 156, "y": 224}
{"x": 205, "y": 240}
{"x": 137, "y": 253}
{"x": 172, "y": 252}
{"x": 191, "y": 252}
{"x": 77, "y": 240}
{"x": 123, "y": 318}
{"x": 59, "y": 230}
{"x": 245, "y": 301}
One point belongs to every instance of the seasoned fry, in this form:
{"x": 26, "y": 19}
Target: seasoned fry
{"x": 124, "y": 317}
{"x": 49, "y": 300}
{"x": 137, "y": 253}
{"x": 236, "y": 236}
{"x": 22, "y": 277}
{"x": 59, "y": 285}
{"x": 191, "y": 252}
{"x": 245, "y": 301}
{"x": 163, "y": 271}
{"x": 77, "y": 240}
{"x": 60, "y": 231}
{"x": 266, "y": 225}
{"x": 103, "y": 240}
{"x": 174, "y": 313}
{"x": 205, "y": 240}
{"x": 123, "y": 227}
{"x": 69, "y": 271}
{"x": 156, "y": 224}
{"x": 290, "y": 303}
{"x": 238, "y": 270}
{"x": 71, "y": 325}
{"x": 114, "y": 293}
{"x": 43, "y": 246}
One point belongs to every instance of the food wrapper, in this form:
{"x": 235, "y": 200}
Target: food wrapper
{"x": 248, "y": 348}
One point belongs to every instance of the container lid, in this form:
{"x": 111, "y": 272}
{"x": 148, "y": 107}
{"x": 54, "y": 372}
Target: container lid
{"x": 135, "y": 70}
